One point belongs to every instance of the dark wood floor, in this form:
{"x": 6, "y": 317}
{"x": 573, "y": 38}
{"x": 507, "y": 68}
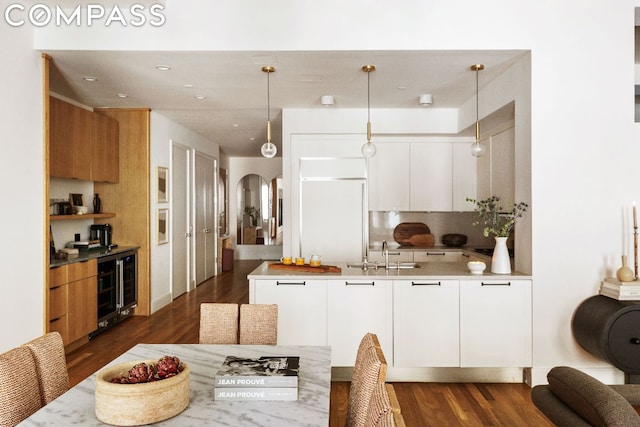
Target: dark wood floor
{"x": 423, "y": 404}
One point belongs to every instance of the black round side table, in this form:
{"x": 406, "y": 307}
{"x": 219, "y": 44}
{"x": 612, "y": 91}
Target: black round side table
{"x": 610, "y": 329}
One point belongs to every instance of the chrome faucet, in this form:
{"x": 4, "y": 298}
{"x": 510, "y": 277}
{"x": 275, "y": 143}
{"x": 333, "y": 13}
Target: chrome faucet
{"x": 385, "y": 253}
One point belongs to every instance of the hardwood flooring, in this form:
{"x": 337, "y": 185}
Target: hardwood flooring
{"x": 423, "y": 404}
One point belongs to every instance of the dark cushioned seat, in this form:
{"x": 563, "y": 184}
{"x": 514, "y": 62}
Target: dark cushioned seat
{"x": 573, "y": 398}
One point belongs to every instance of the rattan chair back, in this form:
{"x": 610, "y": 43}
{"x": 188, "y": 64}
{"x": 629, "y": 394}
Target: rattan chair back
{"x": 218, "y": 323}
{"x": 259, "y": 324}
{"x": 51, "y": 365}
{"x": 19, "y": 391}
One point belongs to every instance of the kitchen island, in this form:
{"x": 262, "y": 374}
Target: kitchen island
{"x": 437, "y": 322}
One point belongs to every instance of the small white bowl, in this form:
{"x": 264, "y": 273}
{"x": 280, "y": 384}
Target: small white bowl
{"x": 476, "y": 267}
{"x": 80, "y": 210}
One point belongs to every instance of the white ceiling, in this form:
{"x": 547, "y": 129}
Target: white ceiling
{"x": 234, "y": 112}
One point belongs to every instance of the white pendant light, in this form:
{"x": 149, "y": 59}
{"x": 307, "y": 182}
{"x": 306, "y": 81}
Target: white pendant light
{"x": 477, "y": 149}
{"x": 268, "y": 149}
{"x": 368, "y": 149}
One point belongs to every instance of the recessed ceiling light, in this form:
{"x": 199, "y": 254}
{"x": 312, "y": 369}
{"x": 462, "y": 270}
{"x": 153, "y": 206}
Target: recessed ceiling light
{"x": 235, "y": 125}
{"x": 90, "y": 79}
{"x": 163, "y": 67}
{"x": 200, "y": 97}
{"x": 401, "y": 87}
{"x": 122, "y": 95}
{"x": 188, "y": 85}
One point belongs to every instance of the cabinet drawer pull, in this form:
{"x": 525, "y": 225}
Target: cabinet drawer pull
{"x": 394, "y": 253}
{"x": 435, "y": 253}
{"x": 360, "y": 283}
{"x": 279, "y": 283}
{"x": 426, "y": 284}
{"x": 496, "y": 284}
{"x": 466, "y": 255}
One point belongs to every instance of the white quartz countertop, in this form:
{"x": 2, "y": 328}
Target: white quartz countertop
{"x": 426, "y": 270}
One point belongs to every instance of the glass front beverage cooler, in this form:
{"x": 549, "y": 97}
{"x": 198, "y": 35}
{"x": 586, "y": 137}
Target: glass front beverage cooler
{"x": 117, "y": 288}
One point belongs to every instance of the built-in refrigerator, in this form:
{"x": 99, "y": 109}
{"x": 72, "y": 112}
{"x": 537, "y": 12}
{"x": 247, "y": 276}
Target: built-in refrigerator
{"x": 333, "y": 210}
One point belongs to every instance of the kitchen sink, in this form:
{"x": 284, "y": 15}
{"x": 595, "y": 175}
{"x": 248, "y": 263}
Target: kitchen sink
{"x": 402, "y": 265}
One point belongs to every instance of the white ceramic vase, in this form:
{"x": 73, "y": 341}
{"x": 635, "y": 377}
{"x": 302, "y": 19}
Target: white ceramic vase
{"x": 500, "y": 262}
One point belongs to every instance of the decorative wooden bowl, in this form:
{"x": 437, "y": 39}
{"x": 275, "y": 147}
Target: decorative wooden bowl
{"x": 139, "y": 404}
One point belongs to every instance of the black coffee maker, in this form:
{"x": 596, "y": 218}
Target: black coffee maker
{"x": 102, "y": 232}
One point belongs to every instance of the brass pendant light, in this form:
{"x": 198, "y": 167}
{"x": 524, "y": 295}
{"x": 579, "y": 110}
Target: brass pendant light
{"x": 477, "y": 149}
{"x": 268, "y": 149}
{"x": 368, "y": 149}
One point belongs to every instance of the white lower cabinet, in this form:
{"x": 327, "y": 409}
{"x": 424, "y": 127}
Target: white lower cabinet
{"x": 426, "y": 323}
{"x": 495, "y": 323}
{"x": 356, "y": 307}
{"x": 437, "y": 256}
{"x": 302, "y": 309}
{"x": 394, "y": 256}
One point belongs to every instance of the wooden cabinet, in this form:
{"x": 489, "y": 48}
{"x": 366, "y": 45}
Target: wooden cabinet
{"x": 302, "y": 309}
{"x": 356, "y": 307}
{"x": 495, "y": 323}
{"x": 105, "y": 158}
{"x": 426, "y": 323}
{"x": 70, "y": 140}
{"x": 73, "y": 300}
{"x": 83, "y": 144}
{"x": 422, "y": 177}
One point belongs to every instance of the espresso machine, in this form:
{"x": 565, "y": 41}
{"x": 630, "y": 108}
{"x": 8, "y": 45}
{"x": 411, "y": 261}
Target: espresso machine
{"x": 103, "y": 233}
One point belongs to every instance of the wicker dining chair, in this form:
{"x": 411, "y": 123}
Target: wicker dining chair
{"x": 19, "y": 391}
{"x": 370, "y": 370}
{"x": 218, "y": 323}
{"x": 51, "y": 365}
{"x": 259, "y": 324}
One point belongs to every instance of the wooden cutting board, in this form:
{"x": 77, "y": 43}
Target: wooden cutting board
{"x": 306, "y": 268}
{"x": 413, "y": 234}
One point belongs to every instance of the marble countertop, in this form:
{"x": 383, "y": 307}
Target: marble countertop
{"x": 425, "y": 271}
{"x": 77, "y": 406}
{"x": 86, "y": 255}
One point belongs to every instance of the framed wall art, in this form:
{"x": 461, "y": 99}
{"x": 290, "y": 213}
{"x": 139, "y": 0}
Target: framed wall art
{"x": 162, "y": 226}
{"x": 162, "y": 184}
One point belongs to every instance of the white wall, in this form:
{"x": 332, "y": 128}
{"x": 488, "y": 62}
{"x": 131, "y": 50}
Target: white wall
{"x": 164, "y": 133}
{"x": 22, "y": 264}
{"x": 584, "y": 143}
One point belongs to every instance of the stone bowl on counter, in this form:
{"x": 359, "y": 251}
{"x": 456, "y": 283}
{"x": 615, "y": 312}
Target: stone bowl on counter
{"x": 143, "y": 403}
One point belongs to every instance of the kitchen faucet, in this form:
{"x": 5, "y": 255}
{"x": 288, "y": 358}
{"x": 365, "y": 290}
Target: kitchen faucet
{"x": 385, "y": 253}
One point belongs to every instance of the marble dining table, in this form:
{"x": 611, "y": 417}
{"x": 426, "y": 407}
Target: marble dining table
{"x": 77, "y": 406}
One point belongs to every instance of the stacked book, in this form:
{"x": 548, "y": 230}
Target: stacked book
{"x": 264, "y": 378}
{"x": 86, "y": 245}
{"x": 622, "y": 291}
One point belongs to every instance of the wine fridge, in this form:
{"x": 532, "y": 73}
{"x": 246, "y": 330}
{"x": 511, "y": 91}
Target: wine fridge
{"x": 117, "y": 288}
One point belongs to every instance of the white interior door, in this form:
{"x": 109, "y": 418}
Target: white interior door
{"x": 204, "y": 223}
{"x": 180, "y": 227}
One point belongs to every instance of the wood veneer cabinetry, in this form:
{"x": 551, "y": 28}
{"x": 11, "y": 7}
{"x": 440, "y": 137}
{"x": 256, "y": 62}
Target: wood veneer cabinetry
{"x": 83, "y": 144}
{"x": 129, "y": 198}
{"x": 73, "y": 300}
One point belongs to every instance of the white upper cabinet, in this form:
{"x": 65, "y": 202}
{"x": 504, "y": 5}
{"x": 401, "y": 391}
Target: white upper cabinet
{"x": 422, "y": 177}
{"x": 431, "y": 166}
{"x": 389, "y": 177}
{"x": 496, "y": 174}
{"x": 464, "y": 177}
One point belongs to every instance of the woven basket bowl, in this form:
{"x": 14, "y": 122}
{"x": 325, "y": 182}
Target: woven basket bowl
{"x": 139, "y": 404}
